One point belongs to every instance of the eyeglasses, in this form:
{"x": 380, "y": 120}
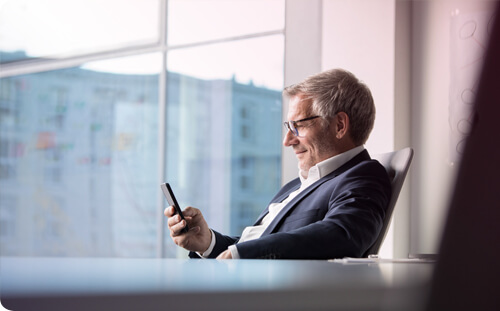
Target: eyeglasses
{"x": 292, "y": 125}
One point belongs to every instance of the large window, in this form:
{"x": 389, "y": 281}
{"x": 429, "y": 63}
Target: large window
{"x": 101, "y": 101}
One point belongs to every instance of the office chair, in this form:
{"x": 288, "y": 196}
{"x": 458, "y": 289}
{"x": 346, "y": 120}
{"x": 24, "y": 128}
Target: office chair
{"x": 396, "y": 164}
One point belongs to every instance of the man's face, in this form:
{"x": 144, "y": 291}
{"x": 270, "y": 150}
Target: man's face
{"x": 314, "y": 143}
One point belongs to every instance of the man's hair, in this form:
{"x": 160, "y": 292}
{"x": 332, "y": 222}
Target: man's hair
{"x": 338, "y": 90}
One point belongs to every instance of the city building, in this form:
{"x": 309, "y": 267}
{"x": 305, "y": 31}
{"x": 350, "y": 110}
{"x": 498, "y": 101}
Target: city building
{"x": 79, "y": 158}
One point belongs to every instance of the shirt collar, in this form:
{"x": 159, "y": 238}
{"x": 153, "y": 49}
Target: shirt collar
{"x": 329, "y": 165}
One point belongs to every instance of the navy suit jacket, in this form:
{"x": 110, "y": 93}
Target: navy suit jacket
{"x": 340, "y": 215}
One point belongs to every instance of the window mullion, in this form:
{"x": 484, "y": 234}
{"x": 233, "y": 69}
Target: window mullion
{"x": 162, "y": 102}
{"x": 41, "y": 65}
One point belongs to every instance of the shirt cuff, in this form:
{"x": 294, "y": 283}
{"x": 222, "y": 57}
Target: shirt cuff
{"x": 210, "y": 248}
{"x": 234, "y": 251}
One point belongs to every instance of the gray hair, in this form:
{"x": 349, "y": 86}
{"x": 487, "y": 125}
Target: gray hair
{"x": 338, "y": 90}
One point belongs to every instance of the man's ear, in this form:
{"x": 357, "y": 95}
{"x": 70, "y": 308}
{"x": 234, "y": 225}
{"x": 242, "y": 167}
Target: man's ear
{"x": 342, "y": 124}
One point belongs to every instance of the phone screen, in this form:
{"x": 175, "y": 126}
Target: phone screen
{"x": 169, "y": 195}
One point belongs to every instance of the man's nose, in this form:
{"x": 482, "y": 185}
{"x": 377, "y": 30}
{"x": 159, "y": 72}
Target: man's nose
{"x": 290, "y": 139}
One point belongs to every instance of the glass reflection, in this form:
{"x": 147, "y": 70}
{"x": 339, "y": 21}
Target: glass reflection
{"x": 78, "y": 163}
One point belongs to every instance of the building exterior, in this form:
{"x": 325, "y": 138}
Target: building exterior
{"x": 79, "y": 158}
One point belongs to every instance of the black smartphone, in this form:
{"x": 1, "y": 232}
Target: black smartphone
{"x": 169, "y": 194}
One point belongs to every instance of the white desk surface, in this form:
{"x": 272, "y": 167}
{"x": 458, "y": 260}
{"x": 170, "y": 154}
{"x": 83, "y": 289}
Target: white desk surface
{"x": 176, "y": 284}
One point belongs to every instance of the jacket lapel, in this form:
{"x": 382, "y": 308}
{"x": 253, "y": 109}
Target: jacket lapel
{"x": 293, "y": 203}
{"x": 363, "y": 156}
{"x": 277, "y": 199}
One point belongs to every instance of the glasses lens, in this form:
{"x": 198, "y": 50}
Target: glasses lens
{"x": 289, "y": 126}
{"x": 293, "y": 129}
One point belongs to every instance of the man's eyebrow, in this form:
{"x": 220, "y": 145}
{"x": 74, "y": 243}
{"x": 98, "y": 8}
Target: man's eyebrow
{"x": 306, "y": 119}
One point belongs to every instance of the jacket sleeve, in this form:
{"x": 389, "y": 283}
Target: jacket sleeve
{"x": 354, "y": 217}
{"x": 222, "y": 242}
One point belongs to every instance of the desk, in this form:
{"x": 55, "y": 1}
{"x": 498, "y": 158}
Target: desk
{"x": 176, "y": 284}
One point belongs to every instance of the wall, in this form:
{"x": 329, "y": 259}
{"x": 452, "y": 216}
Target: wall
{"x": 367, "y": 50}
{"x": 302, "y": 58}
{"x": 360, "y": 36}
{"x": 433, "y": 78}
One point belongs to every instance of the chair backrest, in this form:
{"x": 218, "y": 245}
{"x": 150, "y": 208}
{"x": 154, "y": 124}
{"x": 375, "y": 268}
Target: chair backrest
{"x": 397, "y": 164}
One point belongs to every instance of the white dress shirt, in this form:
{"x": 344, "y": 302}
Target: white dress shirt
{"x": 315, "y": 173}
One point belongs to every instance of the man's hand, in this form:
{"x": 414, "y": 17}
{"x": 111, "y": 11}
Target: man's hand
{"x": 198, "y": 238}
{"x": 225, "y": 255}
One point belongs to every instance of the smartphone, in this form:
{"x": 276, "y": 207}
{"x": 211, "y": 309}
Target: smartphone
{"x": 169, "y": 194}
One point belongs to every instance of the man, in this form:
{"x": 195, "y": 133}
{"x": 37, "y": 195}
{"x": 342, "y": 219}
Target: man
{"x": 335, "y": 208}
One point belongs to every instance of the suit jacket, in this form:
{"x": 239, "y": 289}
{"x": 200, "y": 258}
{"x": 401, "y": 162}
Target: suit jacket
{"x": 340, "y": 215}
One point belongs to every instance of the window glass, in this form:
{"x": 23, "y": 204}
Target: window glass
{"x": 256, "y": 61}
{"x": 223, "y": 135}
{"x": 192, "y": 21}
{"x": 79, "y": 147}
{"x": 78, "y": 167}
{"x": 61, "y": 28}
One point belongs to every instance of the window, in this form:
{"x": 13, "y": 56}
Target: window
{"x": 93, "y": 122}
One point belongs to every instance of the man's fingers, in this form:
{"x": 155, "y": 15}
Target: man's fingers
{"x": 171, "y": 221}
{"x": 225, "y": 255}
{"x": 176, "y": 228}
{"x": 188, "y": 211}
{"x": 169, "y": 211}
